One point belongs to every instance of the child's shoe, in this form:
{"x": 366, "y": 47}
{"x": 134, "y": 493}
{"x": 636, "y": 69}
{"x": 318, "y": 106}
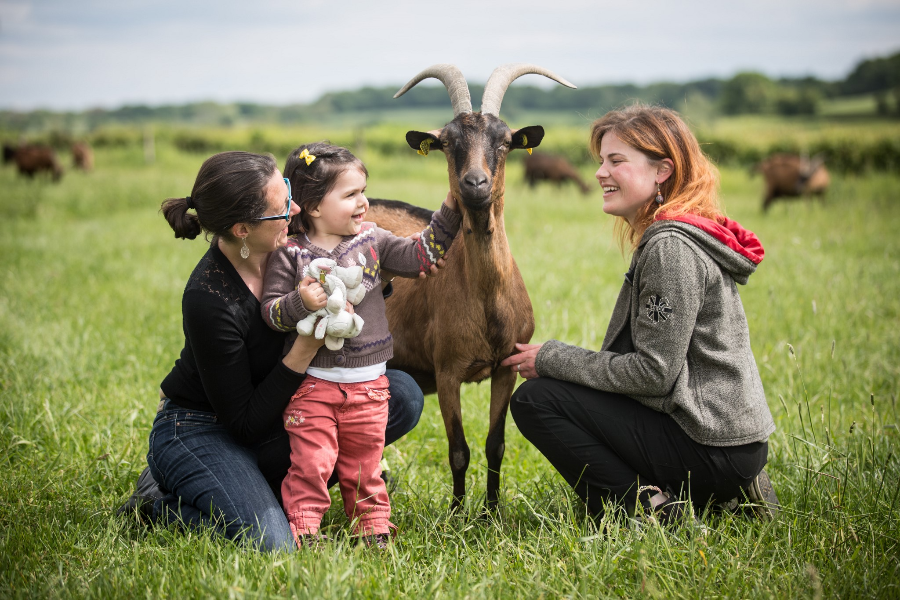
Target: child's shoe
{"x": 379, "y": 541}
{"x": 311, "y": 541}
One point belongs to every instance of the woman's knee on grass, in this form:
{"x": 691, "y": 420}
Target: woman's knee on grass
{"x": 404, "y": 406}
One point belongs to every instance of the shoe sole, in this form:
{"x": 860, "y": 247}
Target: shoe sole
{"x": 762, "y": 494}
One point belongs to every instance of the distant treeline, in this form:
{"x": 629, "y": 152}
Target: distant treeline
{"x": 842, "y": 154}
{"x": 745, "y": 93}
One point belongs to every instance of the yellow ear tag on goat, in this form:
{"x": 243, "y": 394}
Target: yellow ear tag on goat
{"x": 525, "y": 143}
{"x": 425, "y": 147}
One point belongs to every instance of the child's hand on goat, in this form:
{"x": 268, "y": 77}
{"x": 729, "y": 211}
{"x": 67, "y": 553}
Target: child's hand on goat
{"x": 433, "y": 270}
{"x": 450, "y": 201}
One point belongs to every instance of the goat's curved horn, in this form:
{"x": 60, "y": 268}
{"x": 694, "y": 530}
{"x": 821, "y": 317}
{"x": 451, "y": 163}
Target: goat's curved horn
{"x": 504, "y": 75}
{"x": 453, "y": 80}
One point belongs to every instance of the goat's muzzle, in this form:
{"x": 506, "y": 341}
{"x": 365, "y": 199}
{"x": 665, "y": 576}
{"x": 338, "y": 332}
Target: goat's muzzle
{"x": 475, "y": 186}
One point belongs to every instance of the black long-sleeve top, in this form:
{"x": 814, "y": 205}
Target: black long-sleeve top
{"x": 231, "y": 361}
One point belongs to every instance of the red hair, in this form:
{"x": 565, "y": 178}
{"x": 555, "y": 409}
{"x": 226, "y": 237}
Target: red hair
{"x": 660, "y": 133}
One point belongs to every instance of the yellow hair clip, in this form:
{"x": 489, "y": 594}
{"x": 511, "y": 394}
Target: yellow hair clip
{"x": 425, "y": 146}
{"x": 307, "y": 156}
{"x": 525, "y": 143}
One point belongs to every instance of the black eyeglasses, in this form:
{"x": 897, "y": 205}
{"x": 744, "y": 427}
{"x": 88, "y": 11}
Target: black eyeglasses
{"x": 287, "y": 215}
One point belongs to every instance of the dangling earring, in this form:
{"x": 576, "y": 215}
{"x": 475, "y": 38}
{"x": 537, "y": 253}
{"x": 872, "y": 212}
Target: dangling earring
{"x": 659, "y": 196}
{"x": 245, "y": 251}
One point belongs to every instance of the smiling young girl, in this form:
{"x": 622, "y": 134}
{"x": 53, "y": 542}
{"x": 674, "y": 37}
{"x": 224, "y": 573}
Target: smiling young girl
{"x": 336, "y": 419}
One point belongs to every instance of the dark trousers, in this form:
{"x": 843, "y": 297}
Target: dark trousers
{"x": 606, "y": 445}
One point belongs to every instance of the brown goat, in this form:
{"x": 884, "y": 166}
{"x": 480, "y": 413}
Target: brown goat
{"x": 82, "y": 156}
{"x": 458, "y": 326}
{"x": 32, "y": 159}
{"x": 547, "y": 167}
{"x": 791, "y": 175}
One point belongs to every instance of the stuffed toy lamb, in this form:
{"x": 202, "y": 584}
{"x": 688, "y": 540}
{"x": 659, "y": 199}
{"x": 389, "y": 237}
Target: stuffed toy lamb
{"x": 342, "y": 285}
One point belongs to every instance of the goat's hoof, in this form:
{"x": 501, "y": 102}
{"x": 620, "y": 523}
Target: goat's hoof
{"x": 490, "y": 512}
{"x": 456, "y": 507}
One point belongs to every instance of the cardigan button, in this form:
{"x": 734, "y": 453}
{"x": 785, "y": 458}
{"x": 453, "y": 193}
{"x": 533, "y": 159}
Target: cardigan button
{"x": 339, "y": 359}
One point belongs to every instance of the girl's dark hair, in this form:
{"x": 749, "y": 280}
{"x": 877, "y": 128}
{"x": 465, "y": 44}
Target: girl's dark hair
{"x": 311, "y": 182}
{"x": 230, "y": 188}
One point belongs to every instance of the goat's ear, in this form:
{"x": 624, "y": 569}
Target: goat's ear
{"x": 424, "y": 141}
{"x": 527, "y": 137}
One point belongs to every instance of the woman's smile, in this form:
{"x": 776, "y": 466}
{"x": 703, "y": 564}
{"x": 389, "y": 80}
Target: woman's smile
{"x": 609, "y": 189}
{"x": 627, "y": 177}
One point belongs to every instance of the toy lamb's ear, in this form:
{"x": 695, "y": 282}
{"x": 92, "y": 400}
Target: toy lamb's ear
{"x": 306, "y": 326}
{"x": 527, "y": 137}
{"x": 320, "y": 328}
{"x": 358, "y": 324}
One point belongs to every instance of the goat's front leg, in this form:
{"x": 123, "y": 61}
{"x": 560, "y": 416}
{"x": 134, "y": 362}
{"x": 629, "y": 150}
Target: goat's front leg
{"x": 502, "y": 382}
{"x": 448, "y": 397}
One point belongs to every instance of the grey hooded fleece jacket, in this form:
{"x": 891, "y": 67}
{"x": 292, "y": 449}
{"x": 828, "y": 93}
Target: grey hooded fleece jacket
{"x": 678, "y": 340}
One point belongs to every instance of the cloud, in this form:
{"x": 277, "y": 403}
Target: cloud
{"x": 96, "y": 52}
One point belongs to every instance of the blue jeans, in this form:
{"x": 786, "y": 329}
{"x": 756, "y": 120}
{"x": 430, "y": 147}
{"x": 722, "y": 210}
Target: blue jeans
{"x": 213, "y": 481}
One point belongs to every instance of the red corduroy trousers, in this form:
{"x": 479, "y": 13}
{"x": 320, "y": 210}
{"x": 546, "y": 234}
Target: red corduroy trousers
{"x": 337, "y": 426}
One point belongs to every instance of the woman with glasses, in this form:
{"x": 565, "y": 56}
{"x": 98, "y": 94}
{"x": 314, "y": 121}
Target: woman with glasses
{"x": 218, "y": 449}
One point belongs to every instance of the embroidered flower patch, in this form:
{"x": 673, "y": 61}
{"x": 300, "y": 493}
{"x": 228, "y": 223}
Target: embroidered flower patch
{"x": 378, "y": 395}
{"x": 658, "y": 309}
{"x": 294, "y": 419}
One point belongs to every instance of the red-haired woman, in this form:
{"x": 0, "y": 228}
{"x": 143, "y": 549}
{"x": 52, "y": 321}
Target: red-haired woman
{"x": 672, "y": 405}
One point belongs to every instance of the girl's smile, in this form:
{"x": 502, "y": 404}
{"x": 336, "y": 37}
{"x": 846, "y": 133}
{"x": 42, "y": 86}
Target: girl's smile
{"x": 341, "y": 212}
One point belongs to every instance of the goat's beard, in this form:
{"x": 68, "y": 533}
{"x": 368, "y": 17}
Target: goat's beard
{"x": 480, "y": 221}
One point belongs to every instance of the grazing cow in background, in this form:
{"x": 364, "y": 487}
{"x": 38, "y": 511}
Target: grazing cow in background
{"x": 82, "y": 156}
{"x": 547, "y": 167}
{"x": 32, "y": 159}
{"x": 792, "y": 175}
{"x": 458, "y": 326}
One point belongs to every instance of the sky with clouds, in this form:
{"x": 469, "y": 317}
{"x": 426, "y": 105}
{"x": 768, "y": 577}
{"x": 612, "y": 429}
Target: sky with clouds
{"x": 76, "y": 54}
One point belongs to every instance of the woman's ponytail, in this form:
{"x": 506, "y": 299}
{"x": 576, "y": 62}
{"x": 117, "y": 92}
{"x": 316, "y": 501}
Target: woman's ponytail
{"x": 184, "y": 224}
{"x": 230, "y": 188}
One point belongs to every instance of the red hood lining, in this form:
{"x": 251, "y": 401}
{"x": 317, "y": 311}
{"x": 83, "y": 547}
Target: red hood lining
{"x": 730, "y": 233}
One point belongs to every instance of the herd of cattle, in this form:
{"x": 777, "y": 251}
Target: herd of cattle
{"x": 31, "y": 159}
{"x": 786, "y": 175}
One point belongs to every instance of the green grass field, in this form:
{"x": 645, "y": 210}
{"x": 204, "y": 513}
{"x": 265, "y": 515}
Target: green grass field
{"x": 90, "y": 290}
